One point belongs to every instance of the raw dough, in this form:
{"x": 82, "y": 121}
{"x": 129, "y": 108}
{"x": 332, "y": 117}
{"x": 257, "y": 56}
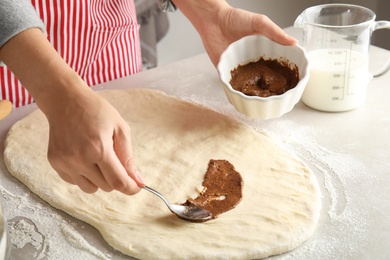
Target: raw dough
{"x": 173, "y": 142}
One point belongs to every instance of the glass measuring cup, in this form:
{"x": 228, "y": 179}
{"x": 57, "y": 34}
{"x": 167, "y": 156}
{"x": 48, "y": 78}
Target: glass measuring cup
{"x": 337, "y": 39}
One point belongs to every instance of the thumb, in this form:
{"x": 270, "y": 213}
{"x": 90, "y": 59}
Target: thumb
{"x": 133, "y": 172}
{"x": 124, "y": 150}
{"x": 268, "y": 28}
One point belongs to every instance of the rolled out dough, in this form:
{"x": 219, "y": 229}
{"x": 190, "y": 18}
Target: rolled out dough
{"x": 173, "y": 141}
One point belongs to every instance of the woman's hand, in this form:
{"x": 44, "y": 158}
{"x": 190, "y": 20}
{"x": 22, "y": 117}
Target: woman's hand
{"x": 89, "y": 142}
{"x": 90, "y": 146}
{"x": 219, "y": 25}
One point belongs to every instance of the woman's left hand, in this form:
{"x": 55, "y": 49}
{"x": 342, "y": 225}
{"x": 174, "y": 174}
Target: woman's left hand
{"x": 219, "y": 25}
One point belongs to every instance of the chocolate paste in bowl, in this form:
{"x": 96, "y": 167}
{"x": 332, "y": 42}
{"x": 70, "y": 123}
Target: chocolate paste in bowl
{"x": 265, "y": 77}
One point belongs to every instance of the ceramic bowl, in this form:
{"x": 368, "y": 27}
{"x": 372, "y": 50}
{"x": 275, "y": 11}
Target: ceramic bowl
{"x": 249, "y": 49}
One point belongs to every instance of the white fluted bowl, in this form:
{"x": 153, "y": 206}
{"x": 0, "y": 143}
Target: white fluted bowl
{"x": 249, "y": 49}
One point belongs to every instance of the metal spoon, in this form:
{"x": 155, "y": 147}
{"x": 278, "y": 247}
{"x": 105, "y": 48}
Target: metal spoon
{"x": 188, "y": 213}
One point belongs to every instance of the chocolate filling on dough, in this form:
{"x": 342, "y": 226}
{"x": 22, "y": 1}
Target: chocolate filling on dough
{"x": 265, "y": 78}
{"x": 222, "y": 189}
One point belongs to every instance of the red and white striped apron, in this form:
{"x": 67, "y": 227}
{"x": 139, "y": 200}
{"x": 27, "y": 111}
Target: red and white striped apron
{"x": 99, "y": 39}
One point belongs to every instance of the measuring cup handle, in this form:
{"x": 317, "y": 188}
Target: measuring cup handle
{"x": 382, "y": 25}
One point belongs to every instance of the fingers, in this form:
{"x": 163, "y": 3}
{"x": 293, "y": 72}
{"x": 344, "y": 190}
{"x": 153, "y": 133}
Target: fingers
{"x": 92, "y": 148}
{"x": 243, "y": 23}
{"x": 124, "y": 152}
{"x": 115, "y": 170}
{"x": 79, "y": 180}
{"x": 263, "y": 25}
{"x": 117, "y": 177}
{"x": 89, "y": 181}
{"x": 85, "y": 184}
{"x": 133, "y": 172}
{"x": 107, "y": 176}
{"x": 118, "y": 166}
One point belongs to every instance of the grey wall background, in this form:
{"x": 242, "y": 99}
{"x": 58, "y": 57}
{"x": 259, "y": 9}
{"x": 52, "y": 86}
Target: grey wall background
{"x": 182, "y": 40}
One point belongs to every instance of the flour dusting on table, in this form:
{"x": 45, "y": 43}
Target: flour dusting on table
{"x": 36, "y": 226}
{"x": 340, "y": 201}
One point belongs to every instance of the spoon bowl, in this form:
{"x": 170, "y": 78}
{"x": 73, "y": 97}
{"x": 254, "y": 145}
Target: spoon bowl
{"x": 192, "y": 214}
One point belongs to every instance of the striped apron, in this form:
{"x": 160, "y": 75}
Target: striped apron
{"x": 99, "y": 39}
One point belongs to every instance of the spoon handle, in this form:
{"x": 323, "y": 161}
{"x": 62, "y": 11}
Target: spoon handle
{"x": 159, "y": 195}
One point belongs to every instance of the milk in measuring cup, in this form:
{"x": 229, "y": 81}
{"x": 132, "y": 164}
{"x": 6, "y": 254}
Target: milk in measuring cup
{"x": 338, "y": 80}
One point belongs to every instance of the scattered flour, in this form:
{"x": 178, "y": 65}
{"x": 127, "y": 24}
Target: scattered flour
{"x": 78, "y": 241}
{"x": 343, "y": 225}
{"x": 37, "y": 231}
{"x": 24, "y": 232}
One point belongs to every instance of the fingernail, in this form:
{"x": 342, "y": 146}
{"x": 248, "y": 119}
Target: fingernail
{"x": 292, "y": 38}
{"x": 140, "y": 179}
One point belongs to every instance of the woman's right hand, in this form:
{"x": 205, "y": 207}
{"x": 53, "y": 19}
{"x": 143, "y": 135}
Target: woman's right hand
{"x": 90, "y": 146}
{"x": 89, "y": 142}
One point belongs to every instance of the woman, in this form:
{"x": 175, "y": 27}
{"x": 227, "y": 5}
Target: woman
{"x": 89, "y": 142}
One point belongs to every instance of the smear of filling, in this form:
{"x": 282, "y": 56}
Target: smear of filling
{"x": 222, "y": 189}
{"x": 265, "y": 77}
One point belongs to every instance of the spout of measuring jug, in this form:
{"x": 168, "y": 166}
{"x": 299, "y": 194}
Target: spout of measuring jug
{"x": 300, "y": 21}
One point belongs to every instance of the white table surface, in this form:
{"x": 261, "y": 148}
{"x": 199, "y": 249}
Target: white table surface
{"x": 349, "y": 152}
